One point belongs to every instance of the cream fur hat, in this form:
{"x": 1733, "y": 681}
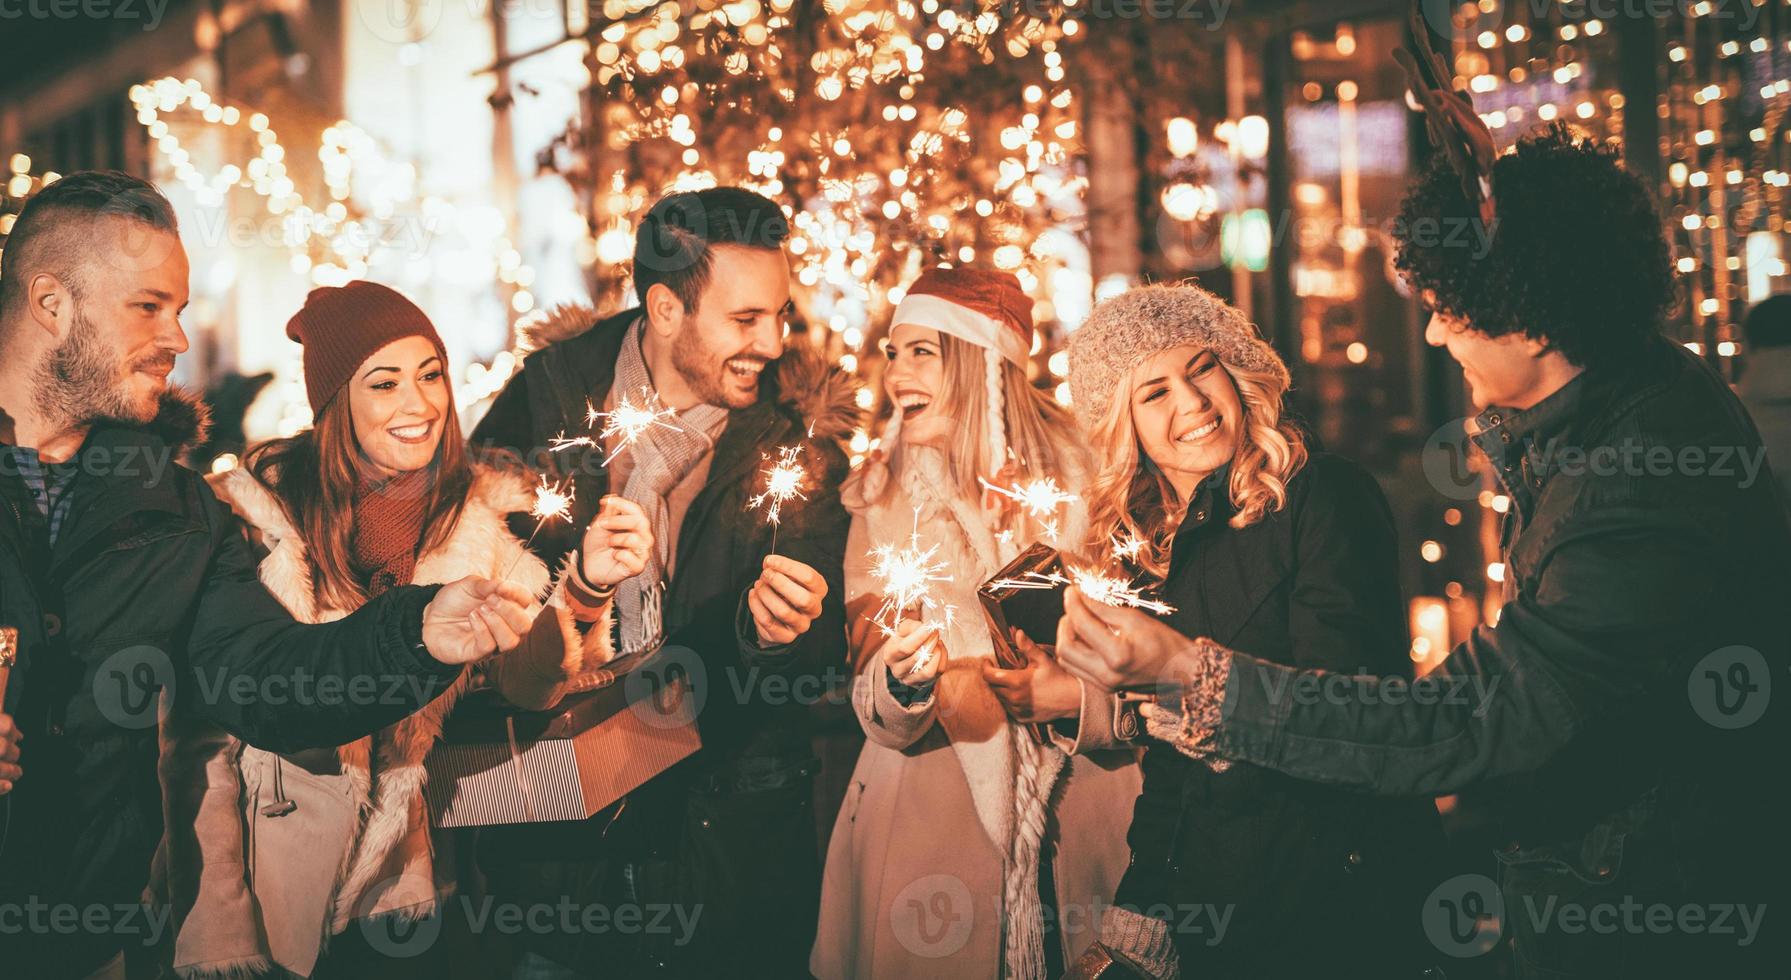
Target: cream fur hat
{"x": 1145, "y": 320}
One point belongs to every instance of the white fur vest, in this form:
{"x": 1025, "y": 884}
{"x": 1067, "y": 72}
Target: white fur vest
{"x": 267, "y": 856}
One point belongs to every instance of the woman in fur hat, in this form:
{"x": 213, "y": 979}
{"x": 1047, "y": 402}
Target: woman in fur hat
{"x": 958, "y": 827}
{"x": 1259, "y": 542}
{"x": 271, "y": 859}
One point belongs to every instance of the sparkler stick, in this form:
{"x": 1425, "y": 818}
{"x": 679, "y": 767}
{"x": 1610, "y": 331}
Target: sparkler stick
{"x": 1040, "y": 499}
{"x": 783, "y": 482}
{"x": 551, "y": 500}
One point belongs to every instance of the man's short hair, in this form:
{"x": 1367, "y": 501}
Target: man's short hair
{"x": 1768, "y": 324}
{"x": 674, "y": 244}
{"x": 1578, "y": 253}
{"x": 54, "y": 232}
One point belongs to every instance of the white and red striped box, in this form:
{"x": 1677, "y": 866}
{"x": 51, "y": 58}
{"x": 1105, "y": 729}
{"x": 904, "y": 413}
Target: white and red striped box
{"x": 499, "y": 765}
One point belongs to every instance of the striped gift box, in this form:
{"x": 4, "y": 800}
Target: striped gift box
{"x": 497, "y": 765}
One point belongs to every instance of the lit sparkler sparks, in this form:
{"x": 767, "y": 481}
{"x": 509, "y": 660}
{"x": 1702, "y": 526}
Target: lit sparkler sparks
{"x": 627, "y": 423}
{"x": 1106, "y": 589}
{"x": 1127, "y": 547}
{"x": 552, "y": 500}
{"x": 783, "y": 482}
{"x": 907, "y": 575}
{"x": 1040, "y": 499}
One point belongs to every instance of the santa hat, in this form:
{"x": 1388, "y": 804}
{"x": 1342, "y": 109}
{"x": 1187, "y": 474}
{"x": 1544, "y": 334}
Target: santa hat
{"x": 981, "y": 307}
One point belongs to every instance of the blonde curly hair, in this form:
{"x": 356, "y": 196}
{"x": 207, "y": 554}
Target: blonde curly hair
{"x": 1130, "y": 499}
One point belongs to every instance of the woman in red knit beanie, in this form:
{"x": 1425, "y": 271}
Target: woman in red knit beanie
{"x": 290, "y": 854}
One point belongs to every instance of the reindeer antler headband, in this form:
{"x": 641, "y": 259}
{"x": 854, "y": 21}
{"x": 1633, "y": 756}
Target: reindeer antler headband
{"x": 1449, "y": 115}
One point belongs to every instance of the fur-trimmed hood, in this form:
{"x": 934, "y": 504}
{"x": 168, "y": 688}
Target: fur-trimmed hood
{"x": 182, "y": 420}
{"x": 820, "y": 393}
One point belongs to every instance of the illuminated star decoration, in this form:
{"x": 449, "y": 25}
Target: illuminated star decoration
{"x": 783, "y": 482}
{"x": 1040, "y": 499}
{"x": 625, "y": 424}
{"x": 907, "y": 575}
{"x": 552, "y": 500}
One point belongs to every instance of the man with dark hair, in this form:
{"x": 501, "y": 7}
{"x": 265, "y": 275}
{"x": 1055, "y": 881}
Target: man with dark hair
{"x": 1615, "y": 722}
{"x": 124, "y": 583}
{"x": 727, "y": 836}
{"x": 1766, "y": 384}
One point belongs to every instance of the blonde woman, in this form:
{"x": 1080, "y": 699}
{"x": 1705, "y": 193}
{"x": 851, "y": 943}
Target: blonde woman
{"x": 955, "y": 815}
{"x": 1260, "y": 543}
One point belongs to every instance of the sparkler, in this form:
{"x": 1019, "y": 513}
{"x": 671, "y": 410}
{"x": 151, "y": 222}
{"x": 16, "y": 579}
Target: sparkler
{"x": 625, "y": 424}
{"x": 1106, "y": 589}
{"x": 908, "y": 575}
{"x": 1127, "y": 547}
{"x": 552, "y": 500}
{"x": 1040, "y": 499}
{"x": 783, "y": 482}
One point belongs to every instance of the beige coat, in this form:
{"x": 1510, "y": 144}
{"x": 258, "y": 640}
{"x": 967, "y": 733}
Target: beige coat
{"x": 253, "y": 889}
{"x": 924, "y": 847}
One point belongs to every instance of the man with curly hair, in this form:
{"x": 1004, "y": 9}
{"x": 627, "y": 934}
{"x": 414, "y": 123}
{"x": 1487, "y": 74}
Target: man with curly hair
{"x": 1616, "y": 721}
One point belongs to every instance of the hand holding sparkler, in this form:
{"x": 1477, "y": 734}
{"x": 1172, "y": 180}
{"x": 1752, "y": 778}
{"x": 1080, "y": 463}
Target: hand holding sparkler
{"x": 474, "y": 618}
{"x": 785, "y": 600}
{"x": 1117, "y": 647}
{"x": 914, "y": 654}
{"x": 616, "y": 543}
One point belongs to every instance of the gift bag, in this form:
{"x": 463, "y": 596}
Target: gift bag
{"x": 1027, "y": 595}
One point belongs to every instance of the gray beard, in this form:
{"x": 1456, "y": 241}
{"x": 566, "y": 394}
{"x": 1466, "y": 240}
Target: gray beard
{"x": 77, "y": 384}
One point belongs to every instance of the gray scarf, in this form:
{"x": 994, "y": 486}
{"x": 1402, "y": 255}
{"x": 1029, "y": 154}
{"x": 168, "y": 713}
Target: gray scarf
{"x": 663, "y": 456}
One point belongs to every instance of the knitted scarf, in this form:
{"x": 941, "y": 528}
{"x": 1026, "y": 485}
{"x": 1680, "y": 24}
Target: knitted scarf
{"x": 663, "y": 456}
{"x": 388, "y": 528}
{"x": 1011, "y": 777}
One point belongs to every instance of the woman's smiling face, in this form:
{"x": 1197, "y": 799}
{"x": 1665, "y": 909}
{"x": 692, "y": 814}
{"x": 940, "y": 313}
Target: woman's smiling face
{"x": 915, "y": 382}
{"x": 1187, "y": 413}
{"x": 399, "y": 402}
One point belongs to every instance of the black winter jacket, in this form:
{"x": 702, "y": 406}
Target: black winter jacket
{"x": 1623, "y": 732}
{"x": 729, "y": 830}
{"x": 1258, "y": 874}
{"x": 149, "y": 603}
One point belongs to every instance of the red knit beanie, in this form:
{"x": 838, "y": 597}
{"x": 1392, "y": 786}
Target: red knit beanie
{"x": 343, "y": 326}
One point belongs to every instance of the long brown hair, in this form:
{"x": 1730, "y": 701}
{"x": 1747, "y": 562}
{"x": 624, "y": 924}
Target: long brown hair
{"x": 314, "y": 475}
{"x": 1041, "y": 434}
{"x": 1131, "y": 498}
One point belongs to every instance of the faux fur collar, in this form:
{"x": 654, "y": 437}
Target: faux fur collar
{"x": 182, "y": 420}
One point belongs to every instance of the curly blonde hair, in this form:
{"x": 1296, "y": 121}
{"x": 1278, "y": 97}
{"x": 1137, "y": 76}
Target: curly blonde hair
{"x": 1128, "y": 499}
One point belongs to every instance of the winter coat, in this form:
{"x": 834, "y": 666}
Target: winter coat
{"x": 269, "y": 856}
{"x": 728, "y": 834}
{"x": 151, "y": 591}
{"x": 1766, "y": 391}
{"x": 1259, "y": 874}
{"x": 949, "y": 795}
{"x": 1622, "y": 734}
